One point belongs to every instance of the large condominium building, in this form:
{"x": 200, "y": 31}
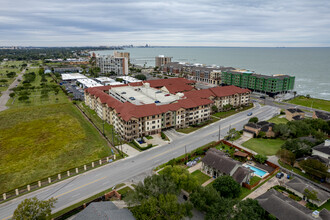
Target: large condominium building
{"x": 122, "y": 54}
{"x": 161, "y": 60}
{"x": 199, "y": 73}
{"x": 146, "y": 108}
{"x": 262, "y": 83}
{"x": 112, "y": 64}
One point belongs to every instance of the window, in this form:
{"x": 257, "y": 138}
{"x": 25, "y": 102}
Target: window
{"x": 153, "y": 127}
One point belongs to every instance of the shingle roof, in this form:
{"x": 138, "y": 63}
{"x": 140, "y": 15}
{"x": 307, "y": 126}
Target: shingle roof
{"x": 322, "y": 148}
{"x": 299, "y": 185}
{"x": 219, "y": 162}
{"x": 322, "y": 115}
{"x": 294, "y": 110}
{"x": 283, "y": 207}
{"x": 103, "y": 211}
{"x": 241, "y": 173}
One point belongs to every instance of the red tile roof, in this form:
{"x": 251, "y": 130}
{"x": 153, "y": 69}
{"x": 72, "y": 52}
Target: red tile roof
{"x": 193, "y": 99}
{"x": 173, "y": 85}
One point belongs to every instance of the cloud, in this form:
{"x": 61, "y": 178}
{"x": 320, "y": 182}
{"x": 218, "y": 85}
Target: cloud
{"x": 172, "y": 22}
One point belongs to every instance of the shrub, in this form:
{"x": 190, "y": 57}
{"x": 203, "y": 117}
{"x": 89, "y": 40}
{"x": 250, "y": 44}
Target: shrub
{"x": 260, "y": 158}
{"x": 254, "y": 120}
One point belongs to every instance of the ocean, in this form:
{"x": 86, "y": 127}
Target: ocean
{"x": 310, "y": 66}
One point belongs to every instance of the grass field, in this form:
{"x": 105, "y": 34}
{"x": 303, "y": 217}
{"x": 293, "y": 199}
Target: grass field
{"x": 7, "y": 67}
{"x": 278, "y": 120}
{"x": 39, "y": 141}
{"x": 231, "y": 112}
{"x": 201, "y": 177}
{"x": 190, "y": 129}
{"x": 311, "y": 102}
{"x": 266, "y": 147}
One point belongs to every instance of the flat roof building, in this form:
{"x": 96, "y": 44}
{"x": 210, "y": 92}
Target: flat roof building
{"x": 72, "y": 76}
{"x": 88, "y": 83}
{"x": 129, "y": 79}
{"x": 106, "y": 81}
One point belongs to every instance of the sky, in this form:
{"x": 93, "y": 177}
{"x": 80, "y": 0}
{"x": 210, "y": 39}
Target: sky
{"x": 245, "y": 23}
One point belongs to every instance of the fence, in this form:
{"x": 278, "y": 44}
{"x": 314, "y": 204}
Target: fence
{"x": 55, "y": 178}
{"x": 74, "y": 211}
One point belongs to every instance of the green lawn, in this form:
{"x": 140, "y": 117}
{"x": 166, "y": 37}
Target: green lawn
{"x": 201, "y": 177}
{"x": 325, "y": 206}
{"x": 190, "y": 129}
{"x": 266, "y": 147}
{"x": 311, "y": 102}
{"x": 40, "y": 141}
{"x": 254, "y": 179}
{"x": 278, "y": 120}
{"x": 125, "y": 191}
{"x": 108, "y": 128}
{"x": 231, "y": 112}
{"x": 6, "y": 67}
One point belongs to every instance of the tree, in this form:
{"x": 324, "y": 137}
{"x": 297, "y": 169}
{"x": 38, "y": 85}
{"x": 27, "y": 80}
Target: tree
{"x": 314, "y": 167}
{"x": 286, "y": 156}
{"x": 12, "y": 95}
{"x": 23, "y": 98}
{"x": 232, "y": 134}
{"x": 141, "y": 77}
{"x": 254, "y": 120}
{"x": 311, "y": 195}
{"x": 204, "y": 197}
{"x": 249, "y": 209}
{"x": 181, "y": 177}
{"x": 282, "y": 130}
{"x": 260, "y": 158}
{"x": 214, "y": 108}
{"x": 119, "y": 80}
{"x": 222, "y": 209}
{"x": 227, "y": 187}
{"x": 298, "y": 147}
{"x": 34, "y": 209}
{"x": 162, "y": 207}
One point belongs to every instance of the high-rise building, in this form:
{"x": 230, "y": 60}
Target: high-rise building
{"x": 161, "y": 60}
{"x": 261, "y": 83}
{"x": 122, "y": 54}
{"x": 109, "y": 64}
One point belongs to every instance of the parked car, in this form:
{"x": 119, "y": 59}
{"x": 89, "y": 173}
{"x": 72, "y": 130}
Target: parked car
{"x": 249, "y": 114}
{"x": 279, "y": 175}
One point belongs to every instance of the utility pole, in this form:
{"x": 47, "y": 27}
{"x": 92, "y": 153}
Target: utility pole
{"x": 185, "y": 154}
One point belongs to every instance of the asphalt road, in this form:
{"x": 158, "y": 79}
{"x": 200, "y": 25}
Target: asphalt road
{"x": 135, "y": 168}
{"x": 5, "y": 94}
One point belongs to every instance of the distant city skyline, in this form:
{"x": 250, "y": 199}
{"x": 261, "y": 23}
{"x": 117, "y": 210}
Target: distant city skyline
{"x": 236, "y": 23}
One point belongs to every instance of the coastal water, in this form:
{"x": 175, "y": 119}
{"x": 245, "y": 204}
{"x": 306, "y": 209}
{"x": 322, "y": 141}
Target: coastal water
{"x": 310, "y": 66}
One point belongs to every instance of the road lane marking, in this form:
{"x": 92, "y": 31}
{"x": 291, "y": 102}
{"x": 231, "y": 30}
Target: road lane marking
{"x": 80, "y": 187}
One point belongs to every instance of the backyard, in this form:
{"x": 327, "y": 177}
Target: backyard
{"x": 279, "y": 119}
{"x": 263, "y": 146}
{"x": 201, "y": 177}
{"x": 311, "y": 102}
{"x": 39, "y": 141}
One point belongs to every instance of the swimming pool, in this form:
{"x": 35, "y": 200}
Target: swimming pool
{"x": 256, "y": 171}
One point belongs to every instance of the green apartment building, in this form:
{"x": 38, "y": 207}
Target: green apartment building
{"x": 262, "y": 83}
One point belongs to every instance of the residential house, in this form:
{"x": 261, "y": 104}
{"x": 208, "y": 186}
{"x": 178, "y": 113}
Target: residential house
{"x": 104, "y": 211}
{"x": 322, "y": 115}
{"x": 299, "y": 186}
{"x": 285, "y": 208}
{"x": 294, "y": 114}
{"x": 216, "y": 163}
{"x": 253, "y": 129}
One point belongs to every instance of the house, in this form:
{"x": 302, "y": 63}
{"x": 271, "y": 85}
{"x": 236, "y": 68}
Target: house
{"x": 253, "y": 129}
{"x": 322, "y": 115}
{"x": 294, "y": 114}
{"x": 322, "y": 150}
{"x": 284, "y": 208}
{"x": 299, "y": 186}
{"x": 216, "y": 163}
{"x": 104, "y": 211}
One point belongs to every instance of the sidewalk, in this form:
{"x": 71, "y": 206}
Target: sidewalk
{"x": 130, "y": 151}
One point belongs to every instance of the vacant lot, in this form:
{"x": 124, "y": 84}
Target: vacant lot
{"x": 39, "y": 141}
{"x": 266, "y": 147}
{"x": 311, "y": 102}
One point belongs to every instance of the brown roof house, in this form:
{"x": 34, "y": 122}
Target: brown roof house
{"x": 322, "y": 115}
{"x": 253, "y": 129}
{"x": 299, "y": 187}
{"x": 284, "y": 208}
{"x": 216, "y": 163}
{"x": 294, "y": 114}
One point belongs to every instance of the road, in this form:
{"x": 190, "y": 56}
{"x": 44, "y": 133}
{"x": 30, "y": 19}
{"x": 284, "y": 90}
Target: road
{"x": 5, "y": 95}
{"x": 135, "y": 168}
